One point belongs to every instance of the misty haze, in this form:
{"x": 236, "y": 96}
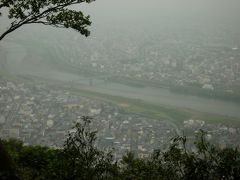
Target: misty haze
{"x": 150, "y": 70}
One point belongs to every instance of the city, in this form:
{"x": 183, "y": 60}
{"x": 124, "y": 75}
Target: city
{"x": 44, "y": 115}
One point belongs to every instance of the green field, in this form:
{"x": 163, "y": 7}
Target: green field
{"x": 176, "y": 115}
{"x": 160, "y": 112}
{"x": 156, "y": 111}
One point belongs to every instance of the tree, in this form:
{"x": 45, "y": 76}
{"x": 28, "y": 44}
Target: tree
{"x": 34, "y": 162}
{"x": 7, "y": 154}
{"x": 80, "y": 158}
{"x": 57, "y": 13}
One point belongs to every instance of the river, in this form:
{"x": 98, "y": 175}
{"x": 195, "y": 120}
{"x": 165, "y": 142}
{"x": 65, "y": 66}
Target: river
{"x": 21, "y": 61}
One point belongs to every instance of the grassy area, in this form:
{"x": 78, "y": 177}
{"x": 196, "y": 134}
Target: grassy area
{"x": 176, "y": 115}
{"x": 161, "y": 112}
{"x": 5, "y": 75}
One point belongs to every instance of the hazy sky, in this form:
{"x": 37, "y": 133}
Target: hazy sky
{"x": 152, "y": 15}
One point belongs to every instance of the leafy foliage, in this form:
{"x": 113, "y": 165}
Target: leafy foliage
{"x": 47, "y": 12}
{"x": 81, "y": 159}
{"x": 177, "y": 163}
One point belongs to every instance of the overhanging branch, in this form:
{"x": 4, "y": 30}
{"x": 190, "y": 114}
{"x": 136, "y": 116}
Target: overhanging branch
{"x": 37, "y": 18}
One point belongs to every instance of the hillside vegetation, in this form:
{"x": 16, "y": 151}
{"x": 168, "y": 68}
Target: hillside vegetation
{"x": 79, "y": 158}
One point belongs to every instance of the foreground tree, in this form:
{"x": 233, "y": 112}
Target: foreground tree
{"x": 207, "y": 162}
{"x": 80, "y": 159}
{"x": 7, "y": 169}
{"x": 56, "y": 13}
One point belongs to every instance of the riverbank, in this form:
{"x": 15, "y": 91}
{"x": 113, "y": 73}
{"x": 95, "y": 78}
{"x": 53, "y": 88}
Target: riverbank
{"x": 160, "y": 112}
{"x": 157, "y": 102}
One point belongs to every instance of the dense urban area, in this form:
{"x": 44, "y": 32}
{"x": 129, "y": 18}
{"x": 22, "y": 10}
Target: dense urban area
{"x": 192, "y": 50}
{"x": 38, "y": 113}
{"x": 44, "y": 114}
{"x": 170, "y": 60}
{"x": 123, "y": 90}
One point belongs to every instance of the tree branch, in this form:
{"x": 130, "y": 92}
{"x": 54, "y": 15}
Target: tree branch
{"x": 31, "y": 18}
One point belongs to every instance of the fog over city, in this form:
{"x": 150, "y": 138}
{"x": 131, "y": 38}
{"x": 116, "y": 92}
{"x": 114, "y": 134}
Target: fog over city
{"x": 150, "y": 70}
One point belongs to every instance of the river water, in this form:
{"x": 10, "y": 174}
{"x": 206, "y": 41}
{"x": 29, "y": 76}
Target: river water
{"x": 21, "y": 61}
